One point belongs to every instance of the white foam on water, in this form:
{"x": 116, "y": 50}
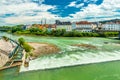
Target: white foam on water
{"x": 71, "y": 60}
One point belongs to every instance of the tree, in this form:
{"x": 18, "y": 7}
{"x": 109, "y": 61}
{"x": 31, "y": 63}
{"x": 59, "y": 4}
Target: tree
{"x": 27, "y": 47}
{"x": 21, "y": 41}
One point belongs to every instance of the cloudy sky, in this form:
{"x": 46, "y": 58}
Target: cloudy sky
{"x": 14, "y": 12}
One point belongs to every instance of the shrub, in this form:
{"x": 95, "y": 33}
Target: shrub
{"x": 5, "y": 38}
{"x": 68, "y": 34}
{"x": 21, "y": 41}
{"x": 27, "y": 47}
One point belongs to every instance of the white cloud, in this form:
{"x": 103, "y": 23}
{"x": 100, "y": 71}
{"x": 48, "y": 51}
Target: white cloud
{"x": 19, "y": 8}
{"x": 31, "y": 19}
{"x": 6, "y": 2}
{"x": 107, "y": 10}
{"x": 73, "y": 4}
{"x": 79, "y": 5}
{"x": 93, "y": 1}
{"x": 24, "y": 9}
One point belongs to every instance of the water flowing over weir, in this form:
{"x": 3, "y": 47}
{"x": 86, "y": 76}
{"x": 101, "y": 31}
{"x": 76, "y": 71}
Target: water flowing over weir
{"x": 71, "y": 60}
{"x": 106, "y": 50}
{"x": 71, "y": 55}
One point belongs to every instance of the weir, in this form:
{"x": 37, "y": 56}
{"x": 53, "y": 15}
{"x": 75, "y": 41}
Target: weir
{"x": 76, "y": 55}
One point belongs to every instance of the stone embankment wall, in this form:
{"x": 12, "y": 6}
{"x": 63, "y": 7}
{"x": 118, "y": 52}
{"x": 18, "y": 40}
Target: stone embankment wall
{"x": 3, "y": 59}
{"x": 5, "y": 48}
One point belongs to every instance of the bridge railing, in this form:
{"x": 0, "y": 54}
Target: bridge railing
{"x": 15, "y": 49}
{"x": 13, "y": 52}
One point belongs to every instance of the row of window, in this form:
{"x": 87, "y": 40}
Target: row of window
{"x": 111, "y": 25}
{"x": 84, "y": 26}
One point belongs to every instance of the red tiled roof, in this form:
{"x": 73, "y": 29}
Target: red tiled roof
{"x": 83, "y": 22}
{"x": 45, "y": 25}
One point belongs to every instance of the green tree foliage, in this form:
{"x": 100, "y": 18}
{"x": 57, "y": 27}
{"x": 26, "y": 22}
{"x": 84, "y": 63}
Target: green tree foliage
{"x": 16, "y": 28}
{"x": 27, "y": 47}
{"x": 58, "y": 32}
{"x": 21, "y": 41}
{"x": 34, "y": 30}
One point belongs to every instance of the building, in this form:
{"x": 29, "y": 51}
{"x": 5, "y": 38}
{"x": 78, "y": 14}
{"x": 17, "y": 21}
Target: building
{"x": 111, "y": 26}
{"x": 73, "y": 25}
{"x": 97, "y": 26}
{"x": 40, "y": 26}
{"x": 64, "y": 25}
{"x": 51, "y": 27}
{"x": 45, "y": 26}
{"x": 84, "y": 26}
{"x": 26, "y": 27}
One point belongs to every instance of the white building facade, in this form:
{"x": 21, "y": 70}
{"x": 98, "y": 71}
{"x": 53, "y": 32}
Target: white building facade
{"x": 66, "y": 27}
{"x": 84, "y": 27}
{"x": 111, "y": 26}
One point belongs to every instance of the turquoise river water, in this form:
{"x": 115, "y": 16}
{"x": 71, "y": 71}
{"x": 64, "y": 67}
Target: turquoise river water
{"x": 71, "y": 63}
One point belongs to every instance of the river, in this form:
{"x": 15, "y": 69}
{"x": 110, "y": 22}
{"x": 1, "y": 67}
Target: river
{"x": 71, "y": 63}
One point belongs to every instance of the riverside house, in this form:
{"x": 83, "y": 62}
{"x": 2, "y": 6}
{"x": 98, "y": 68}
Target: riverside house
{"x": 111, "y": 26}
{"x": 84, "y": 26}
{"x": 45, "y": 26}
{"x": 64, "y": 25}
{"x": 26, "y": 27}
